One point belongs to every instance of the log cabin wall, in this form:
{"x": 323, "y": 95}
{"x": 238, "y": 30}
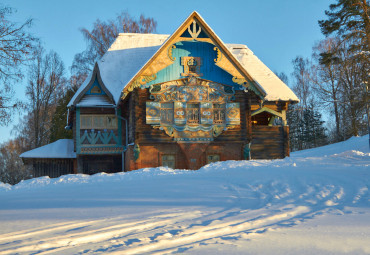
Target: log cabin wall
{"x": 155, "y": 143}
{"x": 268, "y": 142}
{"x": 52, "y": 167}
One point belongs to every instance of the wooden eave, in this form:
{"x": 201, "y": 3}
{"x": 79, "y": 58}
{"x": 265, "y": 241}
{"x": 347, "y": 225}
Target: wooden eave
{"x": 266, "y": 109}
{"x": 96, "y": 74}
{"x": 215, "y": 40}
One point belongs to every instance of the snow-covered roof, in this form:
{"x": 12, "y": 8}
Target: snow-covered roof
{"x": 62, "y": 148}
{"x": 273, "y": 86}
{"x": 94, "y": 100}
{"x": 131, "y": 52}
{"x": 126, "y": 56}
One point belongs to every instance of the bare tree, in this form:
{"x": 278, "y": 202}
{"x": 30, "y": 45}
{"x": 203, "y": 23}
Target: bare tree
{"x": 326, "y": 79}
{"x": 16, "y": 46}
{"x": 46, "y": 81}
{"x": 354, "y": 72}
{"x": 102, "y": 36}
{"x": 302, "y": 81}
{"x": 12, "y": 169}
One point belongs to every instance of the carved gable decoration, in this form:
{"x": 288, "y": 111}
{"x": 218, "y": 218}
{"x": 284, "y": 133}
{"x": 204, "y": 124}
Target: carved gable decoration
{"x": 193, "y": 50}
{"x": 191, "y": 66}
{"x": 192, "y": 110}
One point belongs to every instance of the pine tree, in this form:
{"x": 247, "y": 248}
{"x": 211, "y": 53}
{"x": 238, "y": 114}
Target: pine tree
{"x": 59, "y": 119}
{"x": 349, "y": 19}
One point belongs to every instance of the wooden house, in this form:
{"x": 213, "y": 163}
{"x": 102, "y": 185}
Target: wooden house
{"x": 182, "y": 100}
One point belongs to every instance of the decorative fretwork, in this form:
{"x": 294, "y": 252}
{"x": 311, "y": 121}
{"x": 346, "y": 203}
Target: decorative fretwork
{"x": 170, "y": 52}
{"x": 192, "y": 110}
{"x": 192, "y": 29}
{"x": 191, "y": 90}
{"x": 101, "y": 150}
{"x": 104, "y": 137}
{"x": 241, "y": 81}
{"x": 248, "y": 86}
{"x": 232, "y": 114}
{"x": 138, "y": 83}
{"x": 218, "y": 54}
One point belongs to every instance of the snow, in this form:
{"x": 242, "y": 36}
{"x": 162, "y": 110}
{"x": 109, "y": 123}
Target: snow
{"x": 95, "y": 100}
{"x": 62, "y": 148}
{"x": 273, "y": 86}
{"x": 315, "y": 202}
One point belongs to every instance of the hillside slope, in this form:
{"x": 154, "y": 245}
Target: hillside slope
{"x": 315, "y": 202}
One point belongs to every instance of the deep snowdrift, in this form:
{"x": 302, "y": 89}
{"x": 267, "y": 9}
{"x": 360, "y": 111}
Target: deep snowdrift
{"x": 315, "y": 202}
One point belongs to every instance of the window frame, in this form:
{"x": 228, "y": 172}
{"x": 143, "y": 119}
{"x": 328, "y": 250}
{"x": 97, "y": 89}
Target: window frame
{"x": 165, "y": 155}
{"x": 209, "y": 162}
{"x": 190, "y": 110}
{"x": 104, "y": 124}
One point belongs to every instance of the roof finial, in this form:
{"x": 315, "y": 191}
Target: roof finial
{"x": 194, "y": 33}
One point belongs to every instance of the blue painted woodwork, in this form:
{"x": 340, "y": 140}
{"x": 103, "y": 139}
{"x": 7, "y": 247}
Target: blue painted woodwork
{"x": 78, "y": 141}
{"x": 194, "y": 48}
{"x": 104, "y": 137}
{"x": 119, "y": 128}
{"x": 100, "y": 142}
{"x": 202, "y": 34}
{"x": 96, "y": 83}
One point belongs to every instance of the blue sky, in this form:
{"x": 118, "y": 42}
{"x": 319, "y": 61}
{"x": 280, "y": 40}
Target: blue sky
{"x": 276, "y": 31}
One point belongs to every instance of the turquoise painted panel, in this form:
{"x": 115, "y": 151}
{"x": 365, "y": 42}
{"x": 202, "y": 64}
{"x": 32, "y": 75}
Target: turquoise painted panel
{"x": 78, "y": 140}
{"x": 96, "y": 83}
{"x": 208, "y": 67}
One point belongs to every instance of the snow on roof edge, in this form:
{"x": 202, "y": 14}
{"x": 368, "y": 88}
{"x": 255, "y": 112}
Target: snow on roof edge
{"x": 62, "y": 148}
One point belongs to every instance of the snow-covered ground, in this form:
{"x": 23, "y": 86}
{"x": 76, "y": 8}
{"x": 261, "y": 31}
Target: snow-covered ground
{"x": 315, "y": 202}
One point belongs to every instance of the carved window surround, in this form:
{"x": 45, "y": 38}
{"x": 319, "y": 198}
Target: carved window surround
{"x": 191, "y": 66}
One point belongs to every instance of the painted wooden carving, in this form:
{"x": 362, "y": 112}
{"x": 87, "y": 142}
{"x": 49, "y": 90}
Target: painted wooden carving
{"x": 98, "y": 134}
{"x": 192, "y": 109}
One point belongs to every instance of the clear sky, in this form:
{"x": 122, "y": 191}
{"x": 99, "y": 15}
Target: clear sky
{"x": 275, "y": 30}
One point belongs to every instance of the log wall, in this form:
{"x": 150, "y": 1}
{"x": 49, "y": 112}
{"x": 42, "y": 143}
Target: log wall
{"x": 52, "y": 167}
{"x": 270, "y": 142}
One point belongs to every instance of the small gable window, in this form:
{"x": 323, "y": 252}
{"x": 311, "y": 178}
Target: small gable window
{"x": 95, "y": 90}
{"x": 191, "y": 66}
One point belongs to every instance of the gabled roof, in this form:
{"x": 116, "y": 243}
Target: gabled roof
{"x": 122, "y": 61}
{"x": 62, "y": 148}
{"x": 274, "y": 87}
{"x": 132, "y": 54}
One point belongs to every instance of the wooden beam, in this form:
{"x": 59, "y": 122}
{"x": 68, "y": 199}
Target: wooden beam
{"x": 266, "y": 109}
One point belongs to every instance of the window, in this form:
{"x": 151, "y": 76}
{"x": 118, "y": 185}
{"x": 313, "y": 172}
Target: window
{"x": 192, "y": 113}
{"x": 98, "y": 122}
{"x": 213, "y": 158}
{"x": 192, "y": 64}
{"x": 167, "y": 113}
{"x": 111, "y": 122}
{"x": 169, "y": 160}
{"x": 218, "y": 113}
{"x": 95, "y": 90}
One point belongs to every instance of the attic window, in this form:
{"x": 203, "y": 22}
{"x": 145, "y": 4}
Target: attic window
{"x": 96, "y": 90}
{"x": 191, "y": 66}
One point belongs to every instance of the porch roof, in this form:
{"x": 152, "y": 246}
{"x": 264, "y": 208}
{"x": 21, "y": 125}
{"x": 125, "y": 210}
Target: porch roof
{"x": 62, "y": 148}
